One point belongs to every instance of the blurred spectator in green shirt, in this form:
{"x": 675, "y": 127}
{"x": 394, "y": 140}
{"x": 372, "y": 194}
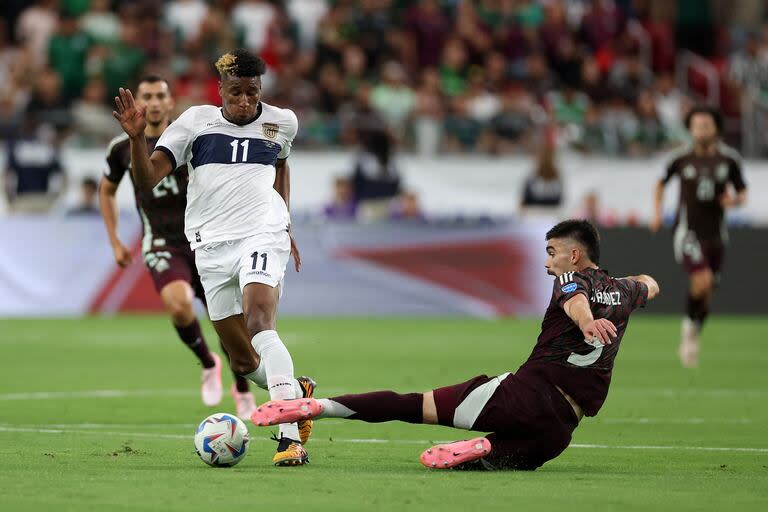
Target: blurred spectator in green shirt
{"x": 67, "y": 52}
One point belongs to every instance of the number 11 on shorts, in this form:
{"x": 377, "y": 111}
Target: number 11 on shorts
{"x": 255, "y": 257}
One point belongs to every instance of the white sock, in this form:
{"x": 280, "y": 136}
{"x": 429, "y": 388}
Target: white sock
{"x": 258, "y": 376}
{"x": 278, "y": 368}
{"x": 333, "y": 409}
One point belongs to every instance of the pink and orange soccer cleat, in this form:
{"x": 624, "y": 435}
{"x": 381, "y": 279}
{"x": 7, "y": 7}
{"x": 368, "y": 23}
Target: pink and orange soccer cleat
{"x": 445, "y": 456}
{"x": 211, "y": 389}
{"x": 276, "y": 412}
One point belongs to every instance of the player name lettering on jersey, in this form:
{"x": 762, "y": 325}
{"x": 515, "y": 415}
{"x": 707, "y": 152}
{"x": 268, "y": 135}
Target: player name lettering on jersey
{"x": 606, "y": 298}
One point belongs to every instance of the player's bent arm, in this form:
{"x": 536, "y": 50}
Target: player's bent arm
{"x": 108, "y": 208}
{"x": 283, "y": 180}
{"x": 658, "y": 197}
{"x": 653, "y": 286}
{"x": 741, "y": 197}
{"x": 148, "y": 171}
{"x": 577, "y": 308}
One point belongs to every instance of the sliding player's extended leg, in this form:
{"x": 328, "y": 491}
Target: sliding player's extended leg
{"x": 536, "y": 420}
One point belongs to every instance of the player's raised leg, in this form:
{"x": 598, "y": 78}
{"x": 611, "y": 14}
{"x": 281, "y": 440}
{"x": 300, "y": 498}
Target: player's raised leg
{"x": 260, "y": 310}
{"x": 177, "y": 297}
{"x": 697, "y": 309}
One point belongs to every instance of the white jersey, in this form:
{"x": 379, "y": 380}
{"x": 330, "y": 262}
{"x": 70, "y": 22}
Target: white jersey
{"x": 231, "y": 171}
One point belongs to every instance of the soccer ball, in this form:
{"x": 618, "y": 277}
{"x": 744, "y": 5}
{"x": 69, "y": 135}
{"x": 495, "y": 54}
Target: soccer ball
{"x": 221, "y": 440}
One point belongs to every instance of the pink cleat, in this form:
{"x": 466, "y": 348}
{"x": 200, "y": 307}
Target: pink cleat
{"x": 688, "y": 351}
{"x": 212, "y": 389}
{"x": 445, "y": 456}
{"x": 245, "y": 405}
{"x": 276, "y": 412}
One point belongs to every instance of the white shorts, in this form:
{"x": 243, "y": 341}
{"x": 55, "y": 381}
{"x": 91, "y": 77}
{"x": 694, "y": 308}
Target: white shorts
{"x": 226, "y": 267}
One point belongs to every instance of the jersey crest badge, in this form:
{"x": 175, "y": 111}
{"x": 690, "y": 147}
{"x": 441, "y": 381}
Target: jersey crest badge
{"x": 721, "y": 174}
{"x": 270, "y": 130}
{"x": 689, "y": 172}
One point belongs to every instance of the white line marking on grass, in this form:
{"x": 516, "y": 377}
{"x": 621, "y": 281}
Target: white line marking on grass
{"x": 380, "y": 441}
{"x": 676, "y": 421}
{"x": 655, "y": 447}
{"x": 686, "y": 392}
{"x": 111, "y": 393}
{"x": 97, "y": 393}
{"x": 96, "y": 426}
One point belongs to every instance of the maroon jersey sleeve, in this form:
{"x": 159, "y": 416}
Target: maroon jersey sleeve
{"x": 636, "y": 291}
{"x": 116, "y": 164}
{"x": 735, "y": 175}
{"x": 569, "y": 285}
{"x": 671, "y": 171}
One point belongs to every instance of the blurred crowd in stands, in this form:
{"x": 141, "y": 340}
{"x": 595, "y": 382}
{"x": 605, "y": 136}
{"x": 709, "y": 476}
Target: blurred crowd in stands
{"x": 438, "y": 76}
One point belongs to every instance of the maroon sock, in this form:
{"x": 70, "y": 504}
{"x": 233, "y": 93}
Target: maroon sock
{"x": 192, "y": 337}
{"x": 241, "y": 383}
{"x": 384, "y": 406}
{"x": 697, "y": 310}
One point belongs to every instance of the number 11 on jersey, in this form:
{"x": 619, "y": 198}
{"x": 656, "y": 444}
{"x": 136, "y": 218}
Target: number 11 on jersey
{"x": 255, "y": 257}
{"x": 244, "y": 144}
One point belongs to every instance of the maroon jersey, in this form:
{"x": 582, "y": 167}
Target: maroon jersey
{"x": 162, "y": 208}
{"x": 702, "y": 182}
{"x": 562, "y": 356}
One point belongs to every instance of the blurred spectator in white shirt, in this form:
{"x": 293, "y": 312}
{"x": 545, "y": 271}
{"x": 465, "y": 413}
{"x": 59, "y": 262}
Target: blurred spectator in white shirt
{"x": 254, "y": 17}
{"x": 307, "y": 14}
{"x": 185, "y": 17}
{"x": 35, "y": 27}
{"x": 393, "y": 99}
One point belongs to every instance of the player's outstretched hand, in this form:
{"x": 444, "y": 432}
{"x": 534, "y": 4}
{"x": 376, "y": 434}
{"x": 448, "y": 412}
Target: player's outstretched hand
{"x": 122, "y": 255}
{"x": 295, "y": 253}
{"x": 601, "y": 329}
{"x": 130, "y": 116}
{"x": 727, "y": 200}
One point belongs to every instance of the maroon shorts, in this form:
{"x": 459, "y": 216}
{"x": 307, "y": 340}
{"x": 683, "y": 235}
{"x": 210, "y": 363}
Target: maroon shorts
{"x": 530, "y": 420}
{"x": 696, "y": 254}
{"x": 168, "y": 264}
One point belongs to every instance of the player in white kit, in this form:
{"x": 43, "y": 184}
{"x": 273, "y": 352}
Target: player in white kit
{"x": 236, "y": 221}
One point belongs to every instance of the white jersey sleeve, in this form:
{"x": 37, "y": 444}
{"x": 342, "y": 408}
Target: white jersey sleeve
{"x": 291, "y": 127}
{"x": 176, "y": 140}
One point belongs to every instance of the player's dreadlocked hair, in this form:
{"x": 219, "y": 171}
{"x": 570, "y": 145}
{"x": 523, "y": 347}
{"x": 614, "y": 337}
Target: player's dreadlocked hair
{"x": 583, "y": 232}
{"x": 241, "y": 63}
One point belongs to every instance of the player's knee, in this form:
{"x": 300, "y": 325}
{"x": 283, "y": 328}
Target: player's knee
{"x": 243, "y": 366}
{"x": 259, "y": 320}
{"x": 181, "y": 310}
{"x": 701, "y": 284}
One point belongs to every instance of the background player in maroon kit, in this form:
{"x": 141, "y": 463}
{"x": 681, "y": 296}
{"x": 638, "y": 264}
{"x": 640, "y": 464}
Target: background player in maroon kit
{"x": 705, "y": 171}
{"x": 165, "y": 249}
{"x": 531, "y": 413}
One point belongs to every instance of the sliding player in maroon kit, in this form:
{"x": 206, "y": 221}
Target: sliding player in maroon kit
{"x": 531, "y": 413}
{"x": 165, "y": 249}
{"x": 705, "y": 171}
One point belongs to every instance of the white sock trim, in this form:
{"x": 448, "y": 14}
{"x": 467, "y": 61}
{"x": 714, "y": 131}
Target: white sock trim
{"x": 332, "y": 409}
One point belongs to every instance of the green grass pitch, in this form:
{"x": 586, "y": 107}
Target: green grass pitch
{"x": 99, "y": 414}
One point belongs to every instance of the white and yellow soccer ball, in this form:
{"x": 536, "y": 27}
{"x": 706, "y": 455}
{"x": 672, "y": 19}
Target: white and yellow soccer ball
{"x": 221, "y": 440}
